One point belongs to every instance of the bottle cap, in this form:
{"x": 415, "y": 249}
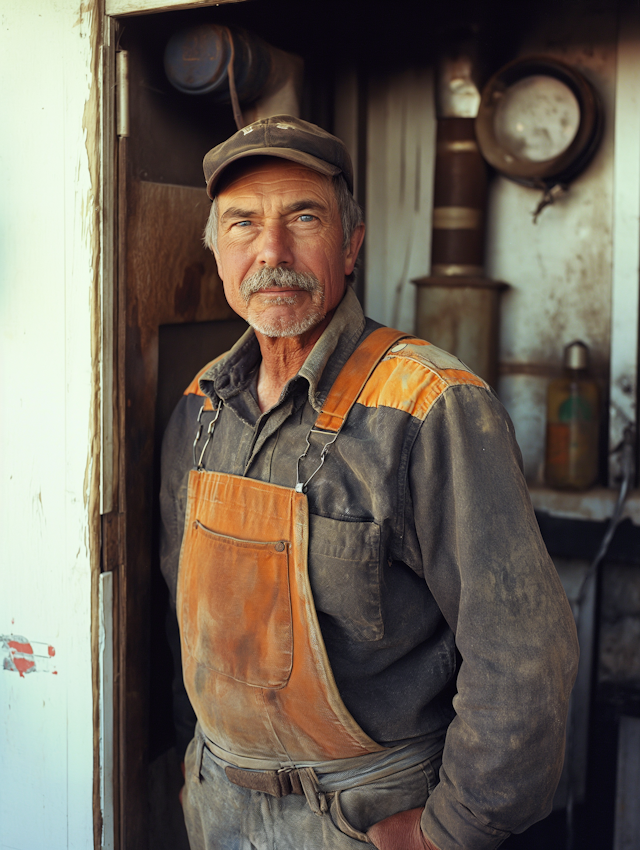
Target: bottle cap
{"x": 576, "y": 355}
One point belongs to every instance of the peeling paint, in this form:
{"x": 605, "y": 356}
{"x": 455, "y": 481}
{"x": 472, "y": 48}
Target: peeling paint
{"x": 91, "y": 12}
{"x": 91, "y": 213}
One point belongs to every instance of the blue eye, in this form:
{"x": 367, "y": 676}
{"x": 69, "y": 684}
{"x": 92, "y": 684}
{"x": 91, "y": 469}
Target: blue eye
{"x": 242, "y": 223}
{"x": 307, "y": 217}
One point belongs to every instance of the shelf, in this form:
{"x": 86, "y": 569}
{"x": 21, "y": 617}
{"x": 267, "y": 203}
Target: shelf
{"x": 595, "y": 505}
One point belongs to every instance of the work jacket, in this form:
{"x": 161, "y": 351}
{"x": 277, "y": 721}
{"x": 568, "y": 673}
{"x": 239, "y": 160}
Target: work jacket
{"x": 440, "y": 609}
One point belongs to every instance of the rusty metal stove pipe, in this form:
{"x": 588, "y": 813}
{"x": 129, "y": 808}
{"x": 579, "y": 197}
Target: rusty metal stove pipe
{"x": 459, "y": 201}
{"x": 457, "y": 306}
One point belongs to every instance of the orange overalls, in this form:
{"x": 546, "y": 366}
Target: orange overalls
{"x": 255, "y": 666}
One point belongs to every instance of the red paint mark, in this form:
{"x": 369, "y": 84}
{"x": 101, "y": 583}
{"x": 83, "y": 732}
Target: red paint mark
{"x": 21, "y": 647}
{"x": 55, "y": 672}
{"x": 23, "y": 665}
{"x": 24, "y": 656}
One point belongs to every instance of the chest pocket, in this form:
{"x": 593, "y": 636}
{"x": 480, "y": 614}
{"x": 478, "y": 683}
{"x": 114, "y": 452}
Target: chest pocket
{"x": 236, "y": 606}
{"x": 344, "y": 571}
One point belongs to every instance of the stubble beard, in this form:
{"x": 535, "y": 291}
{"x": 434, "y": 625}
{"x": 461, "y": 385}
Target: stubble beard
{"x": 282, "y": 326}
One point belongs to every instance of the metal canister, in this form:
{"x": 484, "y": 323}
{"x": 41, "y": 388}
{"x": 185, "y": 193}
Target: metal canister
{"x": 196, "y": 61}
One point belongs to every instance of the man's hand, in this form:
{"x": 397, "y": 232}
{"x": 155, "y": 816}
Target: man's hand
{"x": 400, "y": 832}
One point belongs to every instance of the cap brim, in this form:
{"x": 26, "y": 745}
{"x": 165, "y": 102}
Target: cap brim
{"x": 291, "y": 154}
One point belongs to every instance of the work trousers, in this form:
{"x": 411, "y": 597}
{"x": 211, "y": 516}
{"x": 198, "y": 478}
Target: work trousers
{"x": 222, "y": 816}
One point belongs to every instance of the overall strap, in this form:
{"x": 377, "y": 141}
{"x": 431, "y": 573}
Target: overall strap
{"x": 353, "y": 376}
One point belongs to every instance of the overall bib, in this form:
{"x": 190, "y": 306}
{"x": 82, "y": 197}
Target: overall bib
{"x": 255, "y": 665}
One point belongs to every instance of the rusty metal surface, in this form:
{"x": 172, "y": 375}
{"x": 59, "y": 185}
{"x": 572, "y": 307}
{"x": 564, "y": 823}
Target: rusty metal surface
{"x": 463, "y": 320}
{"x": 459, "y": 196}
{"x": 460, "y": 247}
{"x": 565, "y": 164}
{"x": 460, "y": 171}
{"x": 466, "y": 280}
{"x": 455, "y": 270}
{"x": 458, "y": 72}
{"x": 197, "y": 59}
{"x": 456, "y": 218}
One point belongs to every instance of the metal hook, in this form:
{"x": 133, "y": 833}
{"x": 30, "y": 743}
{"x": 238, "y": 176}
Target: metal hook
{"x": 302, "y": 487}
{"x": 198, "y": 434}
{"x": 199, "y": 465}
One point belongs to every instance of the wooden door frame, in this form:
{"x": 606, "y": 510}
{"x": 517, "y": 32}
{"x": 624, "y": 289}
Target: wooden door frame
{"x": 122, "y": 8}
{"x": 128, "y": 401}
{"x": 128, "y": 426}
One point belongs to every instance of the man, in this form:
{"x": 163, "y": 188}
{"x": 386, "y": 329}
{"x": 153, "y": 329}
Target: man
{"x": 374, "y": 639}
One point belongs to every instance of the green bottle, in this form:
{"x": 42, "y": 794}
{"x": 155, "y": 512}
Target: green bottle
{"x": 571, "y": 456}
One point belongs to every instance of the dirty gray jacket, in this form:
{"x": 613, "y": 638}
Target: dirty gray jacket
{"x": 440, "y": 608}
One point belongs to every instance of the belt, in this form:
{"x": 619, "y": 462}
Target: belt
{"x": 315, "y": 780}
{"x": 278, "y": 783}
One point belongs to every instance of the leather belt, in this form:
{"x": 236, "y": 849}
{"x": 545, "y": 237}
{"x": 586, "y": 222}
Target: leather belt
{"x": 278, "y": 783}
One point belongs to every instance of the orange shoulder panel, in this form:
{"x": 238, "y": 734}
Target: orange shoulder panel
{"x": 353, "y": 377}
{"x": 412, "y": 376}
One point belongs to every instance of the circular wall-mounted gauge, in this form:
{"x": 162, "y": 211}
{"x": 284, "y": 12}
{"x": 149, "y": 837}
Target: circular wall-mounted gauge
{"x": 539, "y": 121}
{"x": 196, "y": 61}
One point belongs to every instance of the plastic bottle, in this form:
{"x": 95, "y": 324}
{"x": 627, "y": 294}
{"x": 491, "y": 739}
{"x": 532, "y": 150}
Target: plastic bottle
{"x": 571, "y": 457}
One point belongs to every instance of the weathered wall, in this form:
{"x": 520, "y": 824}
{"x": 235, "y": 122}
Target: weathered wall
{"x": 560, "y": 269}
{"x": 46, "y": 410}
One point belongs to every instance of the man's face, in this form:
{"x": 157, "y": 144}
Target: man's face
{"x": 283, "y": 216}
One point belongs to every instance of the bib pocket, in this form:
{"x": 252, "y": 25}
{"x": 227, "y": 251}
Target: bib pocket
{"x": 345, "y": 574}
{"x": 236, "y": 606}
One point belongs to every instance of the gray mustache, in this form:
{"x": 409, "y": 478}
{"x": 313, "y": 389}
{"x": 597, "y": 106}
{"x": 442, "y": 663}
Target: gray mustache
{"x": 268, "y": 277}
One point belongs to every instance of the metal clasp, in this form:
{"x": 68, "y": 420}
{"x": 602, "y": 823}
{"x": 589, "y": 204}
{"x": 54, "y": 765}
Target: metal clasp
{"x": 300, "y": 486}
{"x": 198, "y": 464}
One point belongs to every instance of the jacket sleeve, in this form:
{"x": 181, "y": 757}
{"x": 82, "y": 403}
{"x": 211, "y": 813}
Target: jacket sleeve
{"x": 489, "y": 571}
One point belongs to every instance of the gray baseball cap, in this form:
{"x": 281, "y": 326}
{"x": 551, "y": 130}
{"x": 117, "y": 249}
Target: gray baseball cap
{"x": 285, "y": 137}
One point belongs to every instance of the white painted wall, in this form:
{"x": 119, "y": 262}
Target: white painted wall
{"x": 46, "y": 732}
{"x": 401, "y": 135}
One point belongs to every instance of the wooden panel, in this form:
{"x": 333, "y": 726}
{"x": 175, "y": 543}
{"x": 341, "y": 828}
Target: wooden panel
{"x": 169, "y": 277}
{"x": 145, "y": 7}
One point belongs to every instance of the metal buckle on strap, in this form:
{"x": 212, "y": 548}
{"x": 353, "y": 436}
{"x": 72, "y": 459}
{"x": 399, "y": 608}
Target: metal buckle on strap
{"x": 279, "y": 783}
{"x": 301, "y": 487}
{"x": 198, "y": 464}
{"x": 345, "y": 392}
